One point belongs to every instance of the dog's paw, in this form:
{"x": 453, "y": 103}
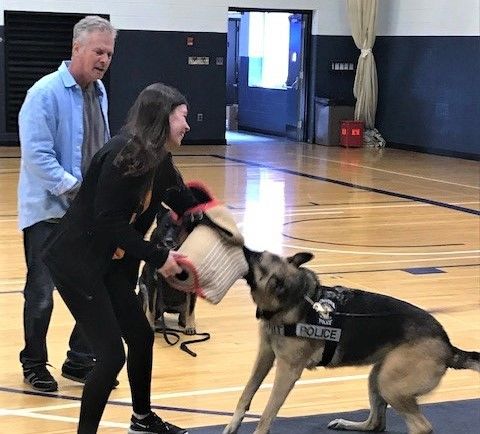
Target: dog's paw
{"x": 190, "y": 330}
{"x": 350, "y": 425}
{"x": 229, "y": 429}
{"x": 338, "y": 424}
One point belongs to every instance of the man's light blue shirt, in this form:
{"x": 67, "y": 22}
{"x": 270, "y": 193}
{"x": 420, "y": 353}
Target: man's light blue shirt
{"x": 51, "y": 137}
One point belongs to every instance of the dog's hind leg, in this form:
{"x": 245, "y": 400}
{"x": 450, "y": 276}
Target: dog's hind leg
{"x": 377, "y": 418}
{"x": 416, "y": 422}
{"x": 261, "y": 368}
{"x": 409, "y": 371}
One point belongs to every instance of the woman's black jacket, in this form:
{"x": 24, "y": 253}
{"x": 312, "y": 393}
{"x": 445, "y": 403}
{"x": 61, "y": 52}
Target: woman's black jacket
{"x": 80, "y": 250}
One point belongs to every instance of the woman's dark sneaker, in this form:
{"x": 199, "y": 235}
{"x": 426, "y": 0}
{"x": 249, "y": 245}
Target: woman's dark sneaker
{"x": 152, "y": 424}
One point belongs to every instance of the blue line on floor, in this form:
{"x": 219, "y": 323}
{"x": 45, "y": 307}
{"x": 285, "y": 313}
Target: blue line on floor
{"x": 357, "y": 186}
{"x": 390, "y": 269}
{"x": 423, "y": 270}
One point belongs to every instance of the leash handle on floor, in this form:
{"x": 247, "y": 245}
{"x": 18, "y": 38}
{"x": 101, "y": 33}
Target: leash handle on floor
{"x": 183, "y": 345}
{"x": 169, "y": 332}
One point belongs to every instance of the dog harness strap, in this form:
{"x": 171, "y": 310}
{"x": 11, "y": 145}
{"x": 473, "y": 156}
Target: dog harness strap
{"x": 330, "y": 345}
{"x": 324, "y": 311}
{"x": 328, "y": 352}
{"x": 322, "y": 323}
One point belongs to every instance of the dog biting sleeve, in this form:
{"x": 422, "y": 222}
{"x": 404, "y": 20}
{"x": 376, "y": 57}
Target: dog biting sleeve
{"x": 214, "y": 254}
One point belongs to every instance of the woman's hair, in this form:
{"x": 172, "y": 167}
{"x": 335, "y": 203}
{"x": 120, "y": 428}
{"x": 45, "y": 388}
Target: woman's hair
{"x": 148, "y": 127}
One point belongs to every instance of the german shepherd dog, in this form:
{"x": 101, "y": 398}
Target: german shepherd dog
{"x": 156, "y": 295}
{"x": 408, "y": 348}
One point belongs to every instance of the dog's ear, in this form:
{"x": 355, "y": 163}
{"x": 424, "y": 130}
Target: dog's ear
{"x": 300, "y": 258}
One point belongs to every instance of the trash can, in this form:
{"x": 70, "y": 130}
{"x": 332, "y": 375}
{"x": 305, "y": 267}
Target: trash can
{"x": 329, "y": 113}
{"x": 351, "y": 134}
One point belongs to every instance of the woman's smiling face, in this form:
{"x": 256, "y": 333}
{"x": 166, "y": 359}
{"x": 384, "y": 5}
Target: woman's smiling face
{"x": 178, "y": 125}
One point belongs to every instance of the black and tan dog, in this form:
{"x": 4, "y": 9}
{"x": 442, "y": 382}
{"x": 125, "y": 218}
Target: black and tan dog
{"x": 156, "y": 295}
{"x": 304, "y": 324}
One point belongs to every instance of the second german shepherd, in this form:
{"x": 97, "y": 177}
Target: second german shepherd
{"x": 304, "y": 324}
{"x": 156, "y": 295}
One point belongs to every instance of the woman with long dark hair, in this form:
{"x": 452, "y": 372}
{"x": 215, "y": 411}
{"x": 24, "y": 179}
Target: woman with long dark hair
{"x": 94, "y": 254}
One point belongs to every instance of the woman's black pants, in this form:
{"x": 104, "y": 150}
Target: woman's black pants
{"x": 113, "y": 313}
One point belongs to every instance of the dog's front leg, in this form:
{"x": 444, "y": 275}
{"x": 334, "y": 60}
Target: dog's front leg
{"x": 190, "y": 327}
{"x": 261, "y": 368}
{"x": 285, "y": 377}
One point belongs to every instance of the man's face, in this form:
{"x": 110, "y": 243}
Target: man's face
{"x": 91, "y": 56}
{"x": 178, "y": 125}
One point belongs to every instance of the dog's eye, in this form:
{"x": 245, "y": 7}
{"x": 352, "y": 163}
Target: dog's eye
{"x": 274, "y": 282}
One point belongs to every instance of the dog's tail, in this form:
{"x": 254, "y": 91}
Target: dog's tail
{"x": 465, "y": 359}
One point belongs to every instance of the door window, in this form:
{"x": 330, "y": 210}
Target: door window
{"x": 268, "y": 49}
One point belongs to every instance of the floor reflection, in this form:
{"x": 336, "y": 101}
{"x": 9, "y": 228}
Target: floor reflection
{"x": 264, "y": 210}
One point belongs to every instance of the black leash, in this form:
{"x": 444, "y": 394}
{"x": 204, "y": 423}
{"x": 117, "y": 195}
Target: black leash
{"x": 175, "y": 333}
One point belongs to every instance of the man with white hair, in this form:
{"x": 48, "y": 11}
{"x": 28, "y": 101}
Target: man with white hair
{"x": 62, "y": 123}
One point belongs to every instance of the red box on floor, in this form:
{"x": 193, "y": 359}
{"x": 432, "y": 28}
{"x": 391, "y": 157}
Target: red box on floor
{"x": 351, "y": 134}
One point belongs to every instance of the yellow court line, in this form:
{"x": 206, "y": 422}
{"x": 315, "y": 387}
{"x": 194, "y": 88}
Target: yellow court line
{"x": 366, "y": 252}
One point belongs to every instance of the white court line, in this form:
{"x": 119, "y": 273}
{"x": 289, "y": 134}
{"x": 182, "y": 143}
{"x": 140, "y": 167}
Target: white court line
{"x": 337, "y": 210}
{"x": 340, "y": 264}
{"x": 324, "y": 210}
{"x": 344, "y": 208}
{"x": 242, "y": 212}
{"x": 263, "y": 386}
{"x": 208, "y": 165}
{"x": 366, "y": 252}
{"x": 12, "y": 281}
{"x": 343, "y": 163}
{"x": 51, "y": 417}
{"x": 31, "y": 412}
{"x": 51, "y": 407}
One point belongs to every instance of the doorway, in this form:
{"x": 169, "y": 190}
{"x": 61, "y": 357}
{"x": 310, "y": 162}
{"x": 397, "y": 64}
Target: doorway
{"x": 266, "y": 72}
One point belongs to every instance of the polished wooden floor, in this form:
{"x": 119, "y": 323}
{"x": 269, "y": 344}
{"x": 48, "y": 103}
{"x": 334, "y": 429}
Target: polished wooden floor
{"x": 375, "y": 219}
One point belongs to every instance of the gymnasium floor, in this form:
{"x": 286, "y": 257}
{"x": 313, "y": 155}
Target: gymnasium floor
{"x": 400, "y": 223}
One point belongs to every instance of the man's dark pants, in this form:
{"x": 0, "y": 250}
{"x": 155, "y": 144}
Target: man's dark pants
{"x": 38, "y": 294}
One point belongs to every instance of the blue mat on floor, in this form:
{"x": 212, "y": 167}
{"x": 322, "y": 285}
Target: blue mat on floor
{"x": 459, "y": 417}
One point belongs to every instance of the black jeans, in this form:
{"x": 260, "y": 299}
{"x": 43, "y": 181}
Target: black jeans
{"x": 114, "y": 313}
{"x": 37, "y": 311}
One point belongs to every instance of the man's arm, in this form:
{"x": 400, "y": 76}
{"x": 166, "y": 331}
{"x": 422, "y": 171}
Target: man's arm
{"x": 37, "y": 126}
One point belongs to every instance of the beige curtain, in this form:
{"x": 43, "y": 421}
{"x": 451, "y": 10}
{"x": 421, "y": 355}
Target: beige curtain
{"x": 362, "y": 15}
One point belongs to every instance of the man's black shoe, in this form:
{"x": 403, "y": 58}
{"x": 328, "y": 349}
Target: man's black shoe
{"x": 40, "y": 379}
{"x": 78, "y": 373}
{"x": 152, "y": 424}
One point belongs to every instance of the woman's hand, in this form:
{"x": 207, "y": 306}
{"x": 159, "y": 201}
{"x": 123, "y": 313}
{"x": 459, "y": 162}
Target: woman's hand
{"x": 171, "y": 267}
{"x": 119, "y": 253}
